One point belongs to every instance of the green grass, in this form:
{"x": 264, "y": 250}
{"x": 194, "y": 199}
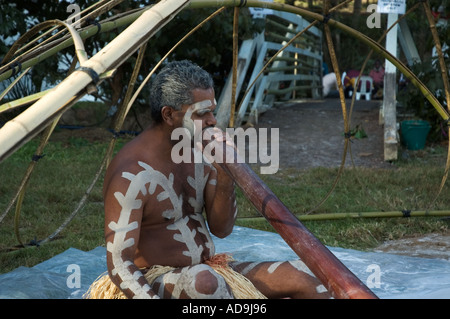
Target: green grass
{"x": 412, "y": 184}
{"x": 58, "y": 183}
{"x": 63, "y": 175}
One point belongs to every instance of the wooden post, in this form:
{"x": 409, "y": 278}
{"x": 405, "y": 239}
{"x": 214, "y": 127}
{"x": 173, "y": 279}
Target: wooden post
{"x": 389, "y": 94}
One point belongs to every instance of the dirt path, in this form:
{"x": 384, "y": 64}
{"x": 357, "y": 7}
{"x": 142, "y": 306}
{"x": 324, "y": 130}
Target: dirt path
{"x": 428, "y": 246}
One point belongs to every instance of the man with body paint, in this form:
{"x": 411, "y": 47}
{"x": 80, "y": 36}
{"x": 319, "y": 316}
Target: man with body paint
{"x": 161, "y": 213}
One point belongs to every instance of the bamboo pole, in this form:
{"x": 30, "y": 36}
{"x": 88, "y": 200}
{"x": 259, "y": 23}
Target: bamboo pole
{"x": 235, "y": 66}
{"x": 255, "y": 3}
{"x": 58, "y": 45}
{"x": 444, "y": 74}
{"x": 109, "y": 152}
{"x": 77, "y": 41}
{"x": 98, "y": 8}
{"x": 13, "y": 83}
{"x": 30, "y": 122}
{"x": 22, "y": 101}
{"x": 391, "y": 214}
{"x": 36, "y": 96}
{"x": 21, "y": 192}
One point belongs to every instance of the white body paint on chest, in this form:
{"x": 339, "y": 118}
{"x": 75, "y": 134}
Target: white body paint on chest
{"x": 129, "y": 201}
{"x": 185, "y": 235}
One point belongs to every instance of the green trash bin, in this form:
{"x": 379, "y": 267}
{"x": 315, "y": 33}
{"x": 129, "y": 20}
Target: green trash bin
{"x": 414, "y": 133}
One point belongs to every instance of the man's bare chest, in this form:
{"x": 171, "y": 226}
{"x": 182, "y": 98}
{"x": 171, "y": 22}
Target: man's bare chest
{"x": 171, "y": 194}
{"x": 173, "y": 205}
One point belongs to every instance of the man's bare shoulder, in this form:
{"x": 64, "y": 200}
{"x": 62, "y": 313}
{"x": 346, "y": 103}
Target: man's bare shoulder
{"x": 128, "y": 160}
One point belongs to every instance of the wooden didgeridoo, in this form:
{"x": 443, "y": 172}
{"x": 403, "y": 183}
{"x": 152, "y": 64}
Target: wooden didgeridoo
{"x": 333, "y": 274}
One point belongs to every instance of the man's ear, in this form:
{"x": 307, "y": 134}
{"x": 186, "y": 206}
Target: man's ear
{"x": 167, "y": 114}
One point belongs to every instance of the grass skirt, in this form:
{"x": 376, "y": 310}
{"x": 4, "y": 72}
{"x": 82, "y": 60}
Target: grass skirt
{"x": 242, "y": 288}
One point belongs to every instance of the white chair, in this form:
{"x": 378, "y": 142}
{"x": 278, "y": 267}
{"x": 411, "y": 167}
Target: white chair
{"x": 343, "y": 83}
{"x": 365, "y": 87}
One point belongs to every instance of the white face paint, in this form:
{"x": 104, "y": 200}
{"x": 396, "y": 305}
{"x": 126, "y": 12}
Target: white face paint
{"x": 200, "y": 108}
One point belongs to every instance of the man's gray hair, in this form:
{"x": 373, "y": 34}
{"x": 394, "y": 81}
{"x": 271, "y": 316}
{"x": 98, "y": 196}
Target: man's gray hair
{"x": 174, "y": 84}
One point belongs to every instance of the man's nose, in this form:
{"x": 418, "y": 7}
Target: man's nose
{"x": 210, "y": 120}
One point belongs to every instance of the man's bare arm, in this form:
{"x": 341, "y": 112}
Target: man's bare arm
{"x": 221, "y": 207}
{"x": 220, "y": 198}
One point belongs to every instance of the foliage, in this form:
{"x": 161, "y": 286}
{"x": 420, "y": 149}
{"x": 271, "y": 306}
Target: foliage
{"x": 428, "y": 71}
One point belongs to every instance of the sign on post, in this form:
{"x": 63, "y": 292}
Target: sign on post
{"x": 392, "y": 6}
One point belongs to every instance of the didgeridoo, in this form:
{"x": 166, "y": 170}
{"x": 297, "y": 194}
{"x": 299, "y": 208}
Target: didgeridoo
{"x": 333, "y": 274}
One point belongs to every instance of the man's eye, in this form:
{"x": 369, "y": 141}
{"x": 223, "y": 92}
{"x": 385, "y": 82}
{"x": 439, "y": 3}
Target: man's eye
{"x": 202, "y": 112}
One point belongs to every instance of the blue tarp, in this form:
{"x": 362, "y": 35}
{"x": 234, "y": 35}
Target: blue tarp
{"x": 69, "y": 274}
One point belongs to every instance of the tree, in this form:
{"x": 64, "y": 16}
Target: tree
{"x": 210, "y": 47}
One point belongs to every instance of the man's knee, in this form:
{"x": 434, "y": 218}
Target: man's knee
{"x": 201, "y": 281}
